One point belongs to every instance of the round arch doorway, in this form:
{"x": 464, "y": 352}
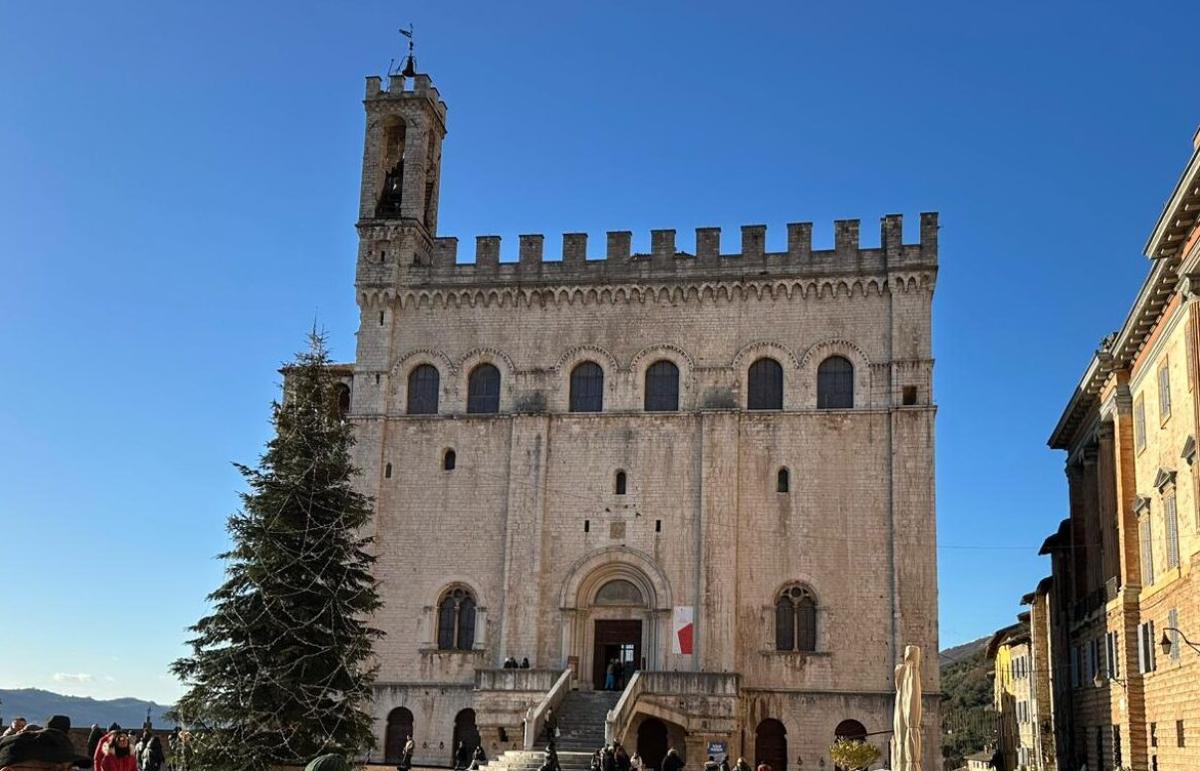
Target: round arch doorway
{"x": 652, "y": 740}
{"x": 770, "y": 745}
{"x": 399, "y": 729}
{"x": 617, "y": 607}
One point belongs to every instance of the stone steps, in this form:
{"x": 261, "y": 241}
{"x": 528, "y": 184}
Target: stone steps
{"x": 522, "y": 760}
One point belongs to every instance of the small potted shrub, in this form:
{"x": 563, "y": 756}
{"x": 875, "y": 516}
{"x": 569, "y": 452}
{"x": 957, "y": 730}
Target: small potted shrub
{"x": 853, "y": 754}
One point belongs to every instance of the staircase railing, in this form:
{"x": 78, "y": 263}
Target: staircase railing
{"x": 618, "y": 717}
{"x": 535, "y": 717}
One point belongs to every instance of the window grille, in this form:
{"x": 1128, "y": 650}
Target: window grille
{"x": 483, "y": 390}
{"x": 835, "y": 384}
{"x": 662, "y": 387}
{"x": 423, "y": 383}
{"x": 764, "y": 384}
{"x": 587, "y": 388}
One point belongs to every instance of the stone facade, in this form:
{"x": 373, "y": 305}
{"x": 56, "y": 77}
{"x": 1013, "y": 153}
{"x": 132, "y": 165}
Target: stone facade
{"x": 519, "y": 508}
{"x": 1126, "y": 558}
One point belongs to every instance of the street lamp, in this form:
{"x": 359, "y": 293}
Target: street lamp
{"x": 1098, "y": 681}
{"x": 1166, "y": 643}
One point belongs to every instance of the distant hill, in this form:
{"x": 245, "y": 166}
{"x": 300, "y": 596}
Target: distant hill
{"x": 960, "y": 652}
{"x": 968, "y": 722}
{"x": 37, "y": 705}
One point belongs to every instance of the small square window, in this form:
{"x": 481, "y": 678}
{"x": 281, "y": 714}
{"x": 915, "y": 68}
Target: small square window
{"x": 909, "y": 395}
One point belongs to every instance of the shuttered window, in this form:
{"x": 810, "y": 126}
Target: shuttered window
{"x": 1139, "y": 423}
{"x": 1172, "y": 531}
{"x": 1145, "y": 536}
{"x": 1164, "y": 392}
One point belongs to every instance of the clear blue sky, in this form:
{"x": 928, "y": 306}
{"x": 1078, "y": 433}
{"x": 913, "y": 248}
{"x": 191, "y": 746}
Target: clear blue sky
{"x": 178, "y": 189}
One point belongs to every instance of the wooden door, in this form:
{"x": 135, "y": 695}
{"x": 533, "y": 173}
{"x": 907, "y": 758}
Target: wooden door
{"x": 611, "y": 637}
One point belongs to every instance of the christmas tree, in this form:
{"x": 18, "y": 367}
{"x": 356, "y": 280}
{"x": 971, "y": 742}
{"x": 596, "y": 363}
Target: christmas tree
{"x": 280, "y": 670}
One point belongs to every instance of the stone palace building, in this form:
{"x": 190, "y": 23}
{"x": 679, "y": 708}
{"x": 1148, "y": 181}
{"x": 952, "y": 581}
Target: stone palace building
{"x": 712, "y": 464}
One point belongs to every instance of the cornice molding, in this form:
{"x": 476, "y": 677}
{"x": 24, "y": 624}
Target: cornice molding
{"x": 619, "y": 294}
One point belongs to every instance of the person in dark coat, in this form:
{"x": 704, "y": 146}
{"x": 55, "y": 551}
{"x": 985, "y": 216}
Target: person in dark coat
{"x": 621, "y": 758}
{"x": 153, "y": 757}
{"x": 478, "y": 759}
{"x": 741, "y": 765}
{"x": 672, "y": 762}
{"x": 525, "y": 663}
{"x": 462, "y": 756}
{"x": 608, "y": 760}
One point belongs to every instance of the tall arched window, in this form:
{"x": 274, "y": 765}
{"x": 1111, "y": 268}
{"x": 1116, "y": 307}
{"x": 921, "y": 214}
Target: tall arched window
{"x": 835, "y": 384}
{"x": 662, "y": 387}
{"x": 587, "y": 387}
{"x": 456, "y": 621}
{"x": 342, "y": 393}
{"x": 764, "y": 385}
{"x": 783, "y": 481}
{"x": 423, "y": 384}
{"x": 619, "y": 483}
{"x": 448, "y": 460}
{"x": 483, "y": 390}
{"x": 795, "y": 620}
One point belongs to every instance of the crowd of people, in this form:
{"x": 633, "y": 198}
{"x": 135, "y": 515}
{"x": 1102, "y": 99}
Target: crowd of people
{"x": 111, "y": 749}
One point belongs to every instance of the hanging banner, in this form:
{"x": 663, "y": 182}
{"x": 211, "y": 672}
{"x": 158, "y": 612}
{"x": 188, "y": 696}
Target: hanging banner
{"x": 683, "y": 629}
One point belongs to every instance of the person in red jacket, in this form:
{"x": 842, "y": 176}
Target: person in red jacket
{"x": 114, "y": 753}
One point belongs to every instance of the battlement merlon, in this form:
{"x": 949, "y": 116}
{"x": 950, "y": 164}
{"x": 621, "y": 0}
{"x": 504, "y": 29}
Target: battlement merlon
{"x": 436, "y": 261}
{"x": 399, "y": 87}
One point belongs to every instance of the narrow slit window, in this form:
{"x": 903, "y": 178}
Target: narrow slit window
{"x": 387, "y": 471}
{"x": 619, "y": 485}
{"x": 658, "y": 525}
{"x": 782, "y": 481}
{"x": 448, "y": 460}
{"x": 587, "y": 525}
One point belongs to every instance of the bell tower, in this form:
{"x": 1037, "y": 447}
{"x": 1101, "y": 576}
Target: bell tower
{"x": 402, "y": 160}
{"x": 397, "y": 218}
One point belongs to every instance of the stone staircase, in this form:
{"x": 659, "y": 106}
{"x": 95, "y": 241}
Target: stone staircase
{"x": 521, "y": 760}
{"x": 581, "y": 719}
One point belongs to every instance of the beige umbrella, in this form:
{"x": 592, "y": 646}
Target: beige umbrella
{"x": 906, "y": 722}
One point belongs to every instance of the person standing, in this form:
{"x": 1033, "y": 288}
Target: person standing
{"x": 672, "y": 762}
{"x": 114, "y": 753}
{"x": 462, "y": 756}
{"x": 479, "y": 759}
{"x": 610, "y": 675}
{"x": 621, "y": 758}
{"x": 636, "y": 763}
{"x": 18, "y": 725}
{"x": 406, "y": 754}
{"x": 741, "y": 765}
{"x": 153, "y": 757}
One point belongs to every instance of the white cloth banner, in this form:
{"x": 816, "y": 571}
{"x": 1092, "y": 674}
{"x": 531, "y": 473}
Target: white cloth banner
{"x": 682, "y": 630}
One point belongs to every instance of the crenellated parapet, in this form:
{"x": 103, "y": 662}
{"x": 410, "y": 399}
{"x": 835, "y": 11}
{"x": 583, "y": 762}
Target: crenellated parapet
{"x": 436, "y": 262}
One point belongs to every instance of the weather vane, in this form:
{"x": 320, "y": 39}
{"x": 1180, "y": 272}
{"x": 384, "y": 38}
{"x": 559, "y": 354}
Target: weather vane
{"x": 410, "y": 63}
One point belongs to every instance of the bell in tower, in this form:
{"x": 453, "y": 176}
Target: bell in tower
{"x": 393, "y": 183}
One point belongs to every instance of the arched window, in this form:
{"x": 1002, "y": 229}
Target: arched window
{"x": 423, "y": 384}
{"x": 619, "y": 484}
{"x": 795, "y": 620}
{"x": 393, "y": 164}
{"x": 342, "y": 393}
{"x": 782, "y": 481}
{"x": 448, "y": 460}
{"x": 587, "y": 387}
{"x": 620, "y": 592}
{"x": 764, "y": 385}
{"x": 662, "y": 387}
{"x": 483, "y": 390}
{"x": 456, "y": 621}
{"x": 835, "y": 384}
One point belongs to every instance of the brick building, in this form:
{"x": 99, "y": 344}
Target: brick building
{"x": 1125, "y": 560}
{"x": 713, "y": 465}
